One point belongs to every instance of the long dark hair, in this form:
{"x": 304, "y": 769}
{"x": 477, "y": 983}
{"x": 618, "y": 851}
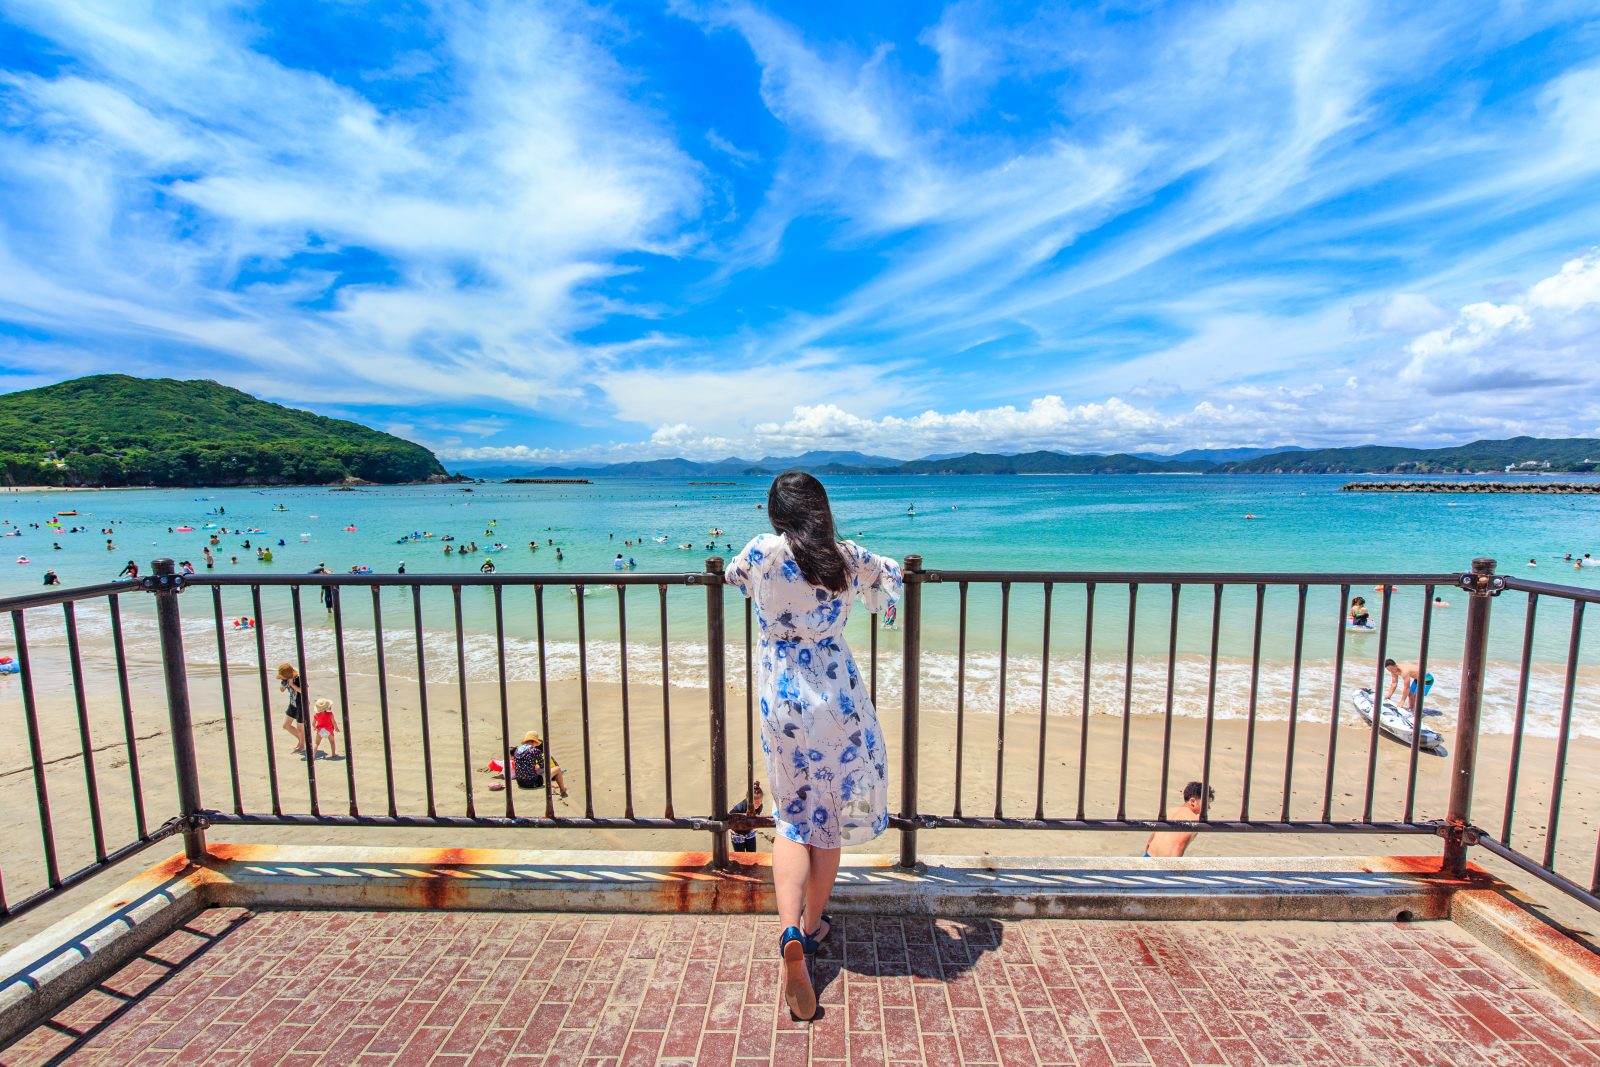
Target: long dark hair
{"x": 798, "y": 507}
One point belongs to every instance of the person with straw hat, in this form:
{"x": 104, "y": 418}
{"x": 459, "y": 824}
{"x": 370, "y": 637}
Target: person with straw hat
{"x": 528, "y": 762}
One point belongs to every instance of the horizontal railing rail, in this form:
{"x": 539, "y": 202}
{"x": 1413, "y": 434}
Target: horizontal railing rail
{"x": 1079, "y": 701}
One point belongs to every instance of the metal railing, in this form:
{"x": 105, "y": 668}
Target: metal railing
{"x": 1278, "y": 607}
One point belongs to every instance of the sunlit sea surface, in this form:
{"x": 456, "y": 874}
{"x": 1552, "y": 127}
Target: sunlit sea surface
{"x": 1151, "y": 523}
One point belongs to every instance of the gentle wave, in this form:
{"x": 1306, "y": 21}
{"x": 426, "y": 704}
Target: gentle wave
{"x": 940, "y": 678}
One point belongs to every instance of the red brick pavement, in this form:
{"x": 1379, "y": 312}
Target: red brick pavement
{"x": 366, "y": 988}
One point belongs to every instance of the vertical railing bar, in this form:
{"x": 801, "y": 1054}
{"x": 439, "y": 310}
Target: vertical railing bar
{"x": 749, "y": 702}
{"x": 126, "y": 694}
{"x": 344, "y": 703}
{"x": 1211, "y": 702}
{"x": 1419, "y": 705}
{"x": 383, "y": 698}
{"x": 505, "y": 703}
{"x": 910, "y": 705}
{"x": 1127, "y": 703}
{"x": 666, "y": 700}
{"x": 81, "y": 704}
{"x": 1000, "y": 718}
{"x": 1166, "y": 735}
{"x": 1044, "y": 703}
{"x": 583, "y": 707}
{"x": 1255, "y": 696}
{"x": 961, "y": 694}
{"x": 461, "y": 689}
{"x": 627, "y": 732}
{"x": 1377, "y": 704}
{"x": 266, "y": 699}
{"x": 305, "y": 695}
{"x": 714, "y": 580}
{"x": 167, "y": 584}
{"x": 872, "y": 656}
{"x": 1482, "y": 585}
{"x": 227, "y": 697}
{"x": 30, "y": 714}
{"x": 1088, "y": 668}
{"x": 422, "y": 700}
{"x": 1574, "y": 647}
{"x": 1333, "y": 717}
{"x": 1515, "y": 765}
{"x": 544, "y": 702}
{"x": 1294, "y": 699}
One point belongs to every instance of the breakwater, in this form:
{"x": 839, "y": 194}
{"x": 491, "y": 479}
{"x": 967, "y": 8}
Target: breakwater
{"x": 1472, "y": 487}
{"x": 548, "y": 481}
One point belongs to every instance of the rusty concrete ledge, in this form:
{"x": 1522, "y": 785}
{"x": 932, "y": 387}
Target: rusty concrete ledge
{"x": 48, "y": 970}
{"x": 1106, "y": 888}
{"x": 1568, "y": 969}
{"x": 60, "y": 963}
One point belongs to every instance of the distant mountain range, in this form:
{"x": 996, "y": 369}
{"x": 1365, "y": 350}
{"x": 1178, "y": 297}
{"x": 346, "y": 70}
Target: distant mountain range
{"x": 1530, "y": 454}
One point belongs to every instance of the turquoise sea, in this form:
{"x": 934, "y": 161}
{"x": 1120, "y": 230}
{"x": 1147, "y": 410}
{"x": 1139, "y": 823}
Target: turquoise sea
{"x": 1144, "y": 523}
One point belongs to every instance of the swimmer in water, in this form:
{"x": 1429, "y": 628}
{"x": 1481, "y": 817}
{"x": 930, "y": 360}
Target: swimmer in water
{"x": 1358, "y": 612}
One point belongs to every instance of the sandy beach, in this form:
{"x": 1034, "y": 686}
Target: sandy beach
{"x": 624, "y": 761}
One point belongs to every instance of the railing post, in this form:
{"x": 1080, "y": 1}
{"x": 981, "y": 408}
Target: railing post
{"x": 717, "y": 680}
{"x": 166, "y": 584}
{"x": 1481, "y": 585}
{"x": 910, "y": 704}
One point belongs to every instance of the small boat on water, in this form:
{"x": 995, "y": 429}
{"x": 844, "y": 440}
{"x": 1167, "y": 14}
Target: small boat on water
{"x": 66, "y": 513}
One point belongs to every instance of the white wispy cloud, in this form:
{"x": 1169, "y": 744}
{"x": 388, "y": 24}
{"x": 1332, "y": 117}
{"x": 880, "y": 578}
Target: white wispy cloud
{"x": 1015, "y": 226}
{"x": 141, "y": 194}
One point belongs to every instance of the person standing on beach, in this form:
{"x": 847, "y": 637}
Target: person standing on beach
{"x": 1171, "y": 843}
{"x": 323, "y": 729}
{"x": 824, "y": 750}
{"x": 1411, "y": 674}
{"x": 294, "y": 716}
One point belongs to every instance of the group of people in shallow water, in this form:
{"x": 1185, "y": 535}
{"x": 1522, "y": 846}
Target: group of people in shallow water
{"x": 1359, "y": 618}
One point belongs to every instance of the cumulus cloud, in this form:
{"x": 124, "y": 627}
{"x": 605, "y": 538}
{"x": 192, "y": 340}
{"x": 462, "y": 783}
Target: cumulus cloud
{"x": 1548, "y": 338}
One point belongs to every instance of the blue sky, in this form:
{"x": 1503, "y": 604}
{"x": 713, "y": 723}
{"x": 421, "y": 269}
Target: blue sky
{"x": 557, "y": 232}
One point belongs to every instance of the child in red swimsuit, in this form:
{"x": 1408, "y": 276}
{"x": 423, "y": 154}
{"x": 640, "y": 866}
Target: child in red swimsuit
{"x": 322, "y": 727}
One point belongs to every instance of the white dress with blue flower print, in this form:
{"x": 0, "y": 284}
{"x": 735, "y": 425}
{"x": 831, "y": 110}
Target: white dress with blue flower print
{"x": 825, "y": 755}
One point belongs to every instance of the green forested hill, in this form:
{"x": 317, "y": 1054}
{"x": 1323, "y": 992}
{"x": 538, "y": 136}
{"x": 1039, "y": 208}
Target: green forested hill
{"x": 1541, "y": 453}
{"x": 113, "y": 429}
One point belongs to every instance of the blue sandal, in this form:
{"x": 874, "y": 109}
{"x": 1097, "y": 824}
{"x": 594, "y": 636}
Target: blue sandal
{"x": 797, "y": 991}
{"x": 813, "y": 942}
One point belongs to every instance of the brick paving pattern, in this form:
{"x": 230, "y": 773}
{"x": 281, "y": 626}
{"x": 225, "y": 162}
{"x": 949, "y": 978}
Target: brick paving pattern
{"x": 540, "y": 990}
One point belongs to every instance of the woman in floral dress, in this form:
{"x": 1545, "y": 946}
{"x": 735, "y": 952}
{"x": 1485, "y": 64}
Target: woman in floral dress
{"x": 824, "y": 750}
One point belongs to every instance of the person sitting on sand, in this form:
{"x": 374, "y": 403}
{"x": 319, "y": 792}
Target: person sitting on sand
{"x": 322, "y": 727}
{"x": 1411, "y": 674}
{"x": 294, "y": 717}
{"x": 527, "y": 765}
{"x": 1169, "y": 843}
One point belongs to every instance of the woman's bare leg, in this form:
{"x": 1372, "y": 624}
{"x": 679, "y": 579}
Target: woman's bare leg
{"x": 791, "y": 867}
{"x": 823, "y": 870}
